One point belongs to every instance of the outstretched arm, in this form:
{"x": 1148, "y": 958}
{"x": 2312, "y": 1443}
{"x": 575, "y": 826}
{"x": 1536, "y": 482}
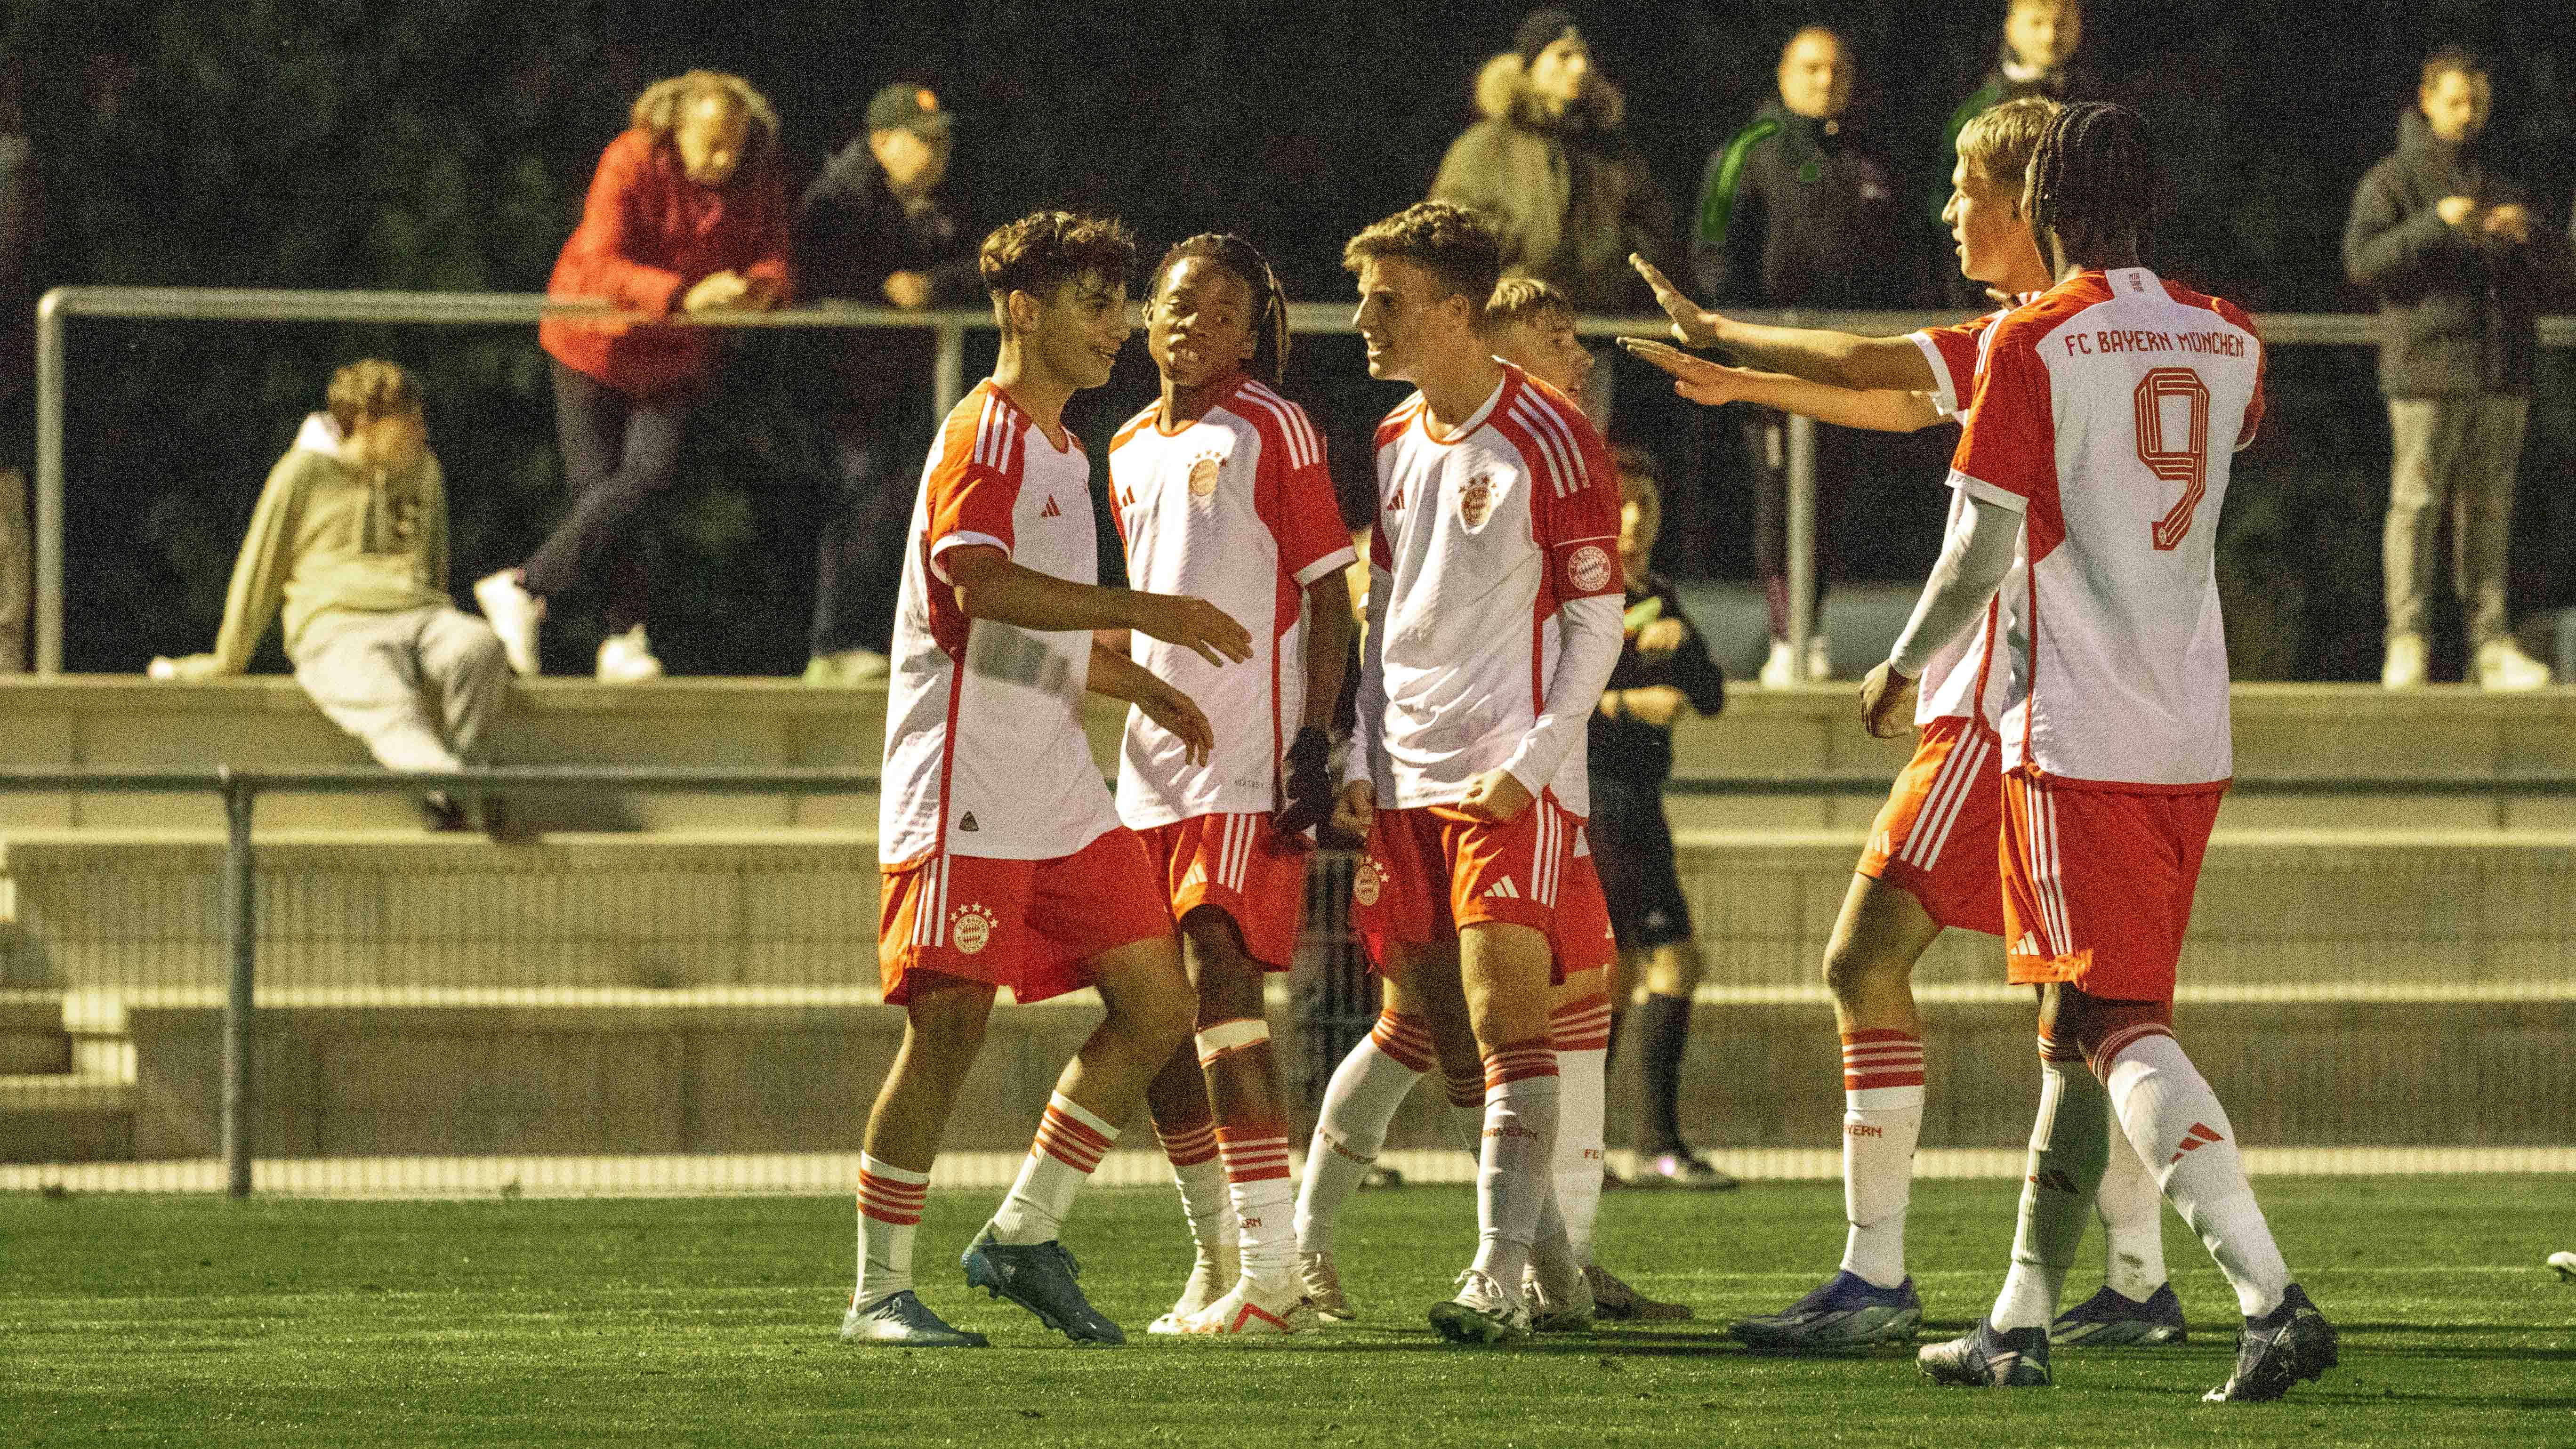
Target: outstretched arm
{"x": 990, "y": 586}
{"x": 1884, "y": 410}
{"x": 1844, "y": 359}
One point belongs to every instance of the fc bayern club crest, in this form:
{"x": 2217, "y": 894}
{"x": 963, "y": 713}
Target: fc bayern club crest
{"x": 1203, "y": 475}
{"x": 1588, "y": 568}
{"x": 970, "y": 928}
{"x": 1367, "y": 880}
{"x": 1476, "y": 501}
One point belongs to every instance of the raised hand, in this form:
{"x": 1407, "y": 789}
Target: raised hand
{"x": 1696, "y": 378}
{"x": 1194, "y": 624}
{"x": 1692, "y": 327}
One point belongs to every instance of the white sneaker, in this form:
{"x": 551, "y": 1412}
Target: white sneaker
{"x": 627, "y": 658}
{"x": 513, "y": 613}
{"x": 1208, "y": 1280}
{"x": 1256, "y": 1307}
{"x": 2502, "y": 665}
{"x": 1820, "y": 659}
{"x": 1780, "y": 670}
{"x": 1482, "y": 1311}
{"x": 1567, "y": 1312}
{"x": 2404, "y": 666}
{"x": 1324, "y": 1286}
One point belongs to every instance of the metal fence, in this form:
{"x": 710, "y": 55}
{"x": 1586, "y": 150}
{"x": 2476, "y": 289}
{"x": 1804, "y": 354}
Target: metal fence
{"x": 372, "y": 1012}
{"x": 947, "y": 381}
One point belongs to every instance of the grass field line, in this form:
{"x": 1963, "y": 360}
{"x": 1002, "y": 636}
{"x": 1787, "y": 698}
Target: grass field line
{"x": 704, "y": 1175}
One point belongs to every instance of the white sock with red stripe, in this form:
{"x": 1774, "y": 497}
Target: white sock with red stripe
{"x": 2176, "y": 1124}
{"x": 2067, "y": 1150}
{"x": 1467, "y": 1107}
{"x": 1204, "y": 1199}
{"x": 2133, "y": 1220}
{"x": 1580, "y": 1031}
{"x": 1256, "y": 1173}
{"x": 1882, "y": 1117}
{"x": 1070, "y": 1143}
{"x": 1513, "y": 1173}
{"x": 1367, "y": 1088}
{"x": 890, "y": 1203}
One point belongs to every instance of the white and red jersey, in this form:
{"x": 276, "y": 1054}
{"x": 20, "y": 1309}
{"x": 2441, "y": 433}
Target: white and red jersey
{"x": 1950, "y": 677}
{"x": 1235, "y": 508}
{"x": 1487, "y": 532}
{"x": 985, "y": 754}
{"x": 2102, "y": 413}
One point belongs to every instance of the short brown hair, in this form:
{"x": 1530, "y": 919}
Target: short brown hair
{"x": 1526, "y": 299}
{"x": 1046, "y": 249}
{"x": 657, "y": 110}
{"x": 2451, "y": 60}
{"x": 1456, "y": 245}
{"x": 369, "y": 388}
{"x": 2000, "y": 140}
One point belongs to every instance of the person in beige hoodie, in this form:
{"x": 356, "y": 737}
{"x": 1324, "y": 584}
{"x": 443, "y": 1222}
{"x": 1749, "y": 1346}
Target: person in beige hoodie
{"x": 350, "y": 536}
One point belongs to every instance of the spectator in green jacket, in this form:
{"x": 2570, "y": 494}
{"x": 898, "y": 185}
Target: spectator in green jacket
{"x": 2035, "y": 58}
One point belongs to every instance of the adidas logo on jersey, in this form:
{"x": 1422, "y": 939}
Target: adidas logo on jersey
{"x": 1503, "y": 889}
{"x": 2028, "y": 945}
{"x": 967, "y": 822}
{"x": 1050, "y": 511}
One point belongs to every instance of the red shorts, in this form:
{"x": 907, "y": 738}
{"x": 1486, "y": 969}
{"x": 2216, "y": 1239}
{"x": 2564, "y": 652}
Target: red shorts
{"x": 1241, "y": 866}
{"x": 1030, "y": 925}
{"x": 1934, "y": 839}
{"x": 2098, "y": 883}
{"x": 1430, "y": 871}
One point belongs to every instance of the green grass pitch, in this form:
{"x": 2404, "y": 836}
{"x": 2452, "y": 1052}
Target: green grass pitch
{"x": 161, "y": 1320}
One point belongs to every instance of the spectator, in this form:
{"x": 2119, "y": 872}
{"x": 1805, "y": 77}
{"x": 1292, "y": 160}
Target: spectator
{"x": 351, "y": 536}
{"x": 687, "y": 212}
{"x": 1549, "y": 162}
{"x": 1799, "y": 210}
{"x": 2035, "y": 58}
{"x": 2451, "y": 249}
{"x": 17, "y": 356}
{"x": 873, "y": 228}
{"x": 1664, "y": 670}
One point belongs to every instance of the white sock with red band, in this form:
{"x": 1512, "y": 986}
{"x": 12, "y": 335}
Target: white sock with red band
{"x": 2174, "y": 1120}
{"x": 890, "y": 1203}
{"x": 1366, "y": 1090}
{"x": 1882, "y": 1118}
{"x": 1204, "y": 1199}
{"x": 1069, "y": 1146}
{"x": 1513, "y": 1173}
{"x": 1256, "y": 1173}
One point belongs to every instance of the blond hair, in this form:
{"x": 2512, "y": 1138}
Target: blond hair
{"x": 2000, "y": 141}
{"x": 657, "y": 111}
{"x": 367, "y": 389}
{"x": 1525, "y": 299}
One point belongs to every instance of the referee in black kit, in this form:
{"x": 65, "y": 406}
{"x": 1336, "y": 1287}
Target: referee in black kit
{"x": 1664, "y": 669}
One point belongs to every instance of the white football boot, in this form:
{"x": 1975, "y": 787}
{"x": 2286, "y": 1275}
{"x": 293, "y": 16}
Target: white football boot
{"x": 1208, "y": 1278}
{"x": 627, "y": 658}
{"x": 1482, "y": 1311}
{"x": 513, "y": 613}
{"x": 2503, "y": 666}
{"x": 1324, "y": 1287}
{"x": 1257, "y": 1307}
{"x": 2404, "y": 666}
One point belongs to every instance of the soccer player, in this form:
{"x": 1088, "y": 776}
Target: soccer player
{"x": 2090, "y": 438}
{"x": 1220, "y": 491}
{"x": 1004, "y": 861}
{"x": 1493, "y": 624}
{"x": 1929, "y": 863}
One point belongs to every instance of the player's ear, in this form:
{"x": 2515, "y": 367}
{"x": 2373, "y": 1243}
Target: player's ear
{"x": 1020, "y": 311}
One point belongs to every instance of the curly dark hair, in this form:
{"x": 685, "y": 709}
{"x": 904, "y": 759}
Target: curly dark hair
{"x": 369, "y": 388}
{"x": 1458, "y": 246}
{"x": 2093, "y": 182}
{"x": 1046, "y": 249}
{"x": 1269, "y": 302}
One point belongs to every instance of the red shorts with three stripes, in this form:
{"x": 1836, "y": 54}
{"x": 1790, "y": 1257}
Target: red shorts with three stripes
{"x": 1241, "y": 866}
{"x": 1030, "y": 925}
{"x": 2098, "y": 882}
{"x": 1430, "y": 870}
{"x": 1934, "y": 839}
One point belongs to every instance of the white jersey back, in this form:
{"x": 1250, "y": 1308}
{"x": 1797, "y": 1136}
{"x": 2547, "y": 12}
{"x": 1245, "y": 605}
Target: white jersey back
{"x": 985, "y": 754}
{"x": 1237, "y": 509}
{"x": 1487, "y": 533}
{"x": 2101, "y": 412}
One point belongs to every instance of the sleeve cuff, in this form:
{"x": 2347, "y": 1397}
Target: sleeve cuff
{"x": 962, "y": 540}
{"x": 1986, "y": 492}
{"x": 1945, "y": 399}
{"x": 1327, "y": 566}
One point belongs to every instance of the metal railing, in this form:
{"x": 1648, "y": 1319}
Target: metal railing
{"x": 948, "y": 380}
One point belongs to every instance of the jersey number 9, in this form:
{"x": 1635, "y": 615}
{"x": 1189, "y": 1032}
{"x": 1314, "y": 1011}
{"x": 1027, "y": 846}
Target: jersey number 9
{"x": 2184, "y": 459}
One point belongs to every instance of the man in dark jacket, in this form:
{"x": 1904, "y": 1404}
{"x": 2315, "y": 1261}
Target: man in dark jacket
{"x": 1800, "y": 210}
{"x": 2035, "y": 58}
{"x": 872, "y": 228}
{"x": 2461, "y": 269}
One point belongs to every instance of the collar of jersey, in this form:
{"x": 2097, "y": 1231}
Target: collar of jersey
{"x": 1475, "y": 419}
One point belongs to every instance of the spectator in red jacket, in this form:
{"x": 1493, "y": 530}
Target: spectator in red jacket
{"x": 687, "y": 213}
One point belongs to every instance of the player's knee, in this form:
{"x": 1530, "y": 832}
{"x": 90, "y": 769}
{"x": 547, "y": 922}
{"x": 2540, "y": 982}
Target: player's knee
{"x": 1159, "y": 1021}
{"x": 2098, "y": 1027}
{"x": 1851, "y": 970}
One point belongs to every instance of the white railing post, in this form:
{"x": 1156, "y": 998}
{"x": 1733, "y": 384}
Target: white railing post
{"x": 51, "y": 387}
{"x": 1801, "y": 528}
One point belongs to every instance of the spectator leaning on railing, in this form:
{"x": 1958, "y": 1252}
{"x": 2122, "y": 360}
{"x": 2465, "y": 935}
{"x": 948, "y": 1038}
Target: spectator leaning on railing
{"x": 2461, "y": 269}
{"x": 687, "y": 213}
{"x": 351, "y": 536}
{"x": 873, "y": 228}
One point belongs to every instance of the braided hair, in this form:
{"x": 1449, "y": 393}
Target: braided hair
{"x": 2093, "y": 182}
{"x": 1269, "y": 301}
